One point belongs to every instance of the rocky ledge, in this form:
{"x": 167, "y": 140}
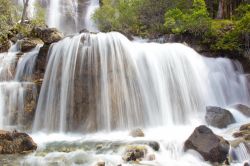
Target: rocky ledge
{"x": 16, "y": 142}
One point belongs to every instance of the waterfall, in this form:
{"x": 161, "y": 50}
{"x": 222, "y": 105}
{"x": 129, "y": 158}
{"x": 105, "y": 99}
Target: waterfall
{"x": 17, "y": 91}
{"x": 71, "y": 16}
{"x": 96, "y": 82}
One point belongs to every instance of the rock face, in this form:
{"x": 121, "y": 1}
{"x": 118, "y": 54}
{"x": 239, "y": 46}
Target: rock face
{"x": 48, "y": 35}
{"x": 245, "y": 110}
{"x": 137, "y": 133}
{"x": 212, "y": 147}
{"x": 14, "y": 142}
{"x": 27, "y": 44}
{"x": 4, "y": 47}
{"x": 218, "y": 117}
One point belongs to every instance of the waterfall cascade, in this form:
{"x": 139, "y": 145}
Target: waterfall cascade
{"x": 97, "y": 82}
{"x": 103, "y": 81}
{"x": 17, "y": 92}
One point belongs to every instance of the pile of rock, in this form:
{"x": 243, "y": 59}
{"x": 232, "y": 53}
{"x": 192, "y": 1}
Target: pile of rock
{"x": 15, "y": 142}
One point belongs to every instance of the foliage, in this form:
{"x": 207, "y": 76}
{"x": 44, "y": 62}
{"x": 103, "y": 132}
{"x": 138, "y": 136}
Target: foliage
{"x": 121, "y": 15}
{"x": 10, "y": 15}
{"x": 195, "y": 20}
{"x": 7, "y": 18}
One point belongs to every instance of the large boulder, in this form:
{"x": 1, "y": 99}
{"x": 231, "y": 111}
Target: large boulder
{"x": 15, "y": 142}
{"x": 245, "y": 110}
{"x": 212, "y": 147}
{"x": 29, "y": 43}
{"x": 218, "y": 117}
{"x": 48, "y": 35}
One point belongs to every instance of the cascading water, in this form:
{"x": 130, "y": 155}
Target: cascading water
{"x": 15, "y": 87}
{"x": 71, "y": 16}
{"x": 102, "y": 81}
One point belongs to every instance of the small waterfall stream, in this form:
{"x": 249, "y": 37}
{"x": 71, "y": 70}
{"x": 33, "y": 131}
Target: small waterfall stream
{"x": 15, "y": 87}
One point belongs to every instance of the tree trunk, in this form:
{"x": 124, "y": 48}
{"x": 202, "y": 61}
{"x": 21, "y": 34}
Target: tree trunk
{"x": 24, "y": 14}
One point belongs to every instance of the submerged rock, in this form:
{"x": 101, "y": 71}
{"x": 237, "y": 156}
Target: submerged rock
{"x": 245, "y": 110}
{"x": 244, "y": 132}
{"x": 137, "y": 133}
{"x": 15, "y": 142}
{"x": 135, "y": 153}
{"x": 48, "y": 35}
{"x": 218, "y": 117}
{"x": 212, "y": 147}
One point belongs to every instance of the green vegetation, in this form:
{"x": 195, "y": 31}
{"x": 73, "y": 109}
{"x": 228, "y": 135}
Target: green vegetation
{"x": 10, "y": 16}
{"x": 223, "y": 28}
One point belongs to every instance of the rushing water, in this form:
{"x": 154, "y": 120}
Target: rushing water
{"x": 103, "y": 81}
{"x": 71, "y": 16}
{"x": 97, "y": 87}
{"x": 15, "y": 86}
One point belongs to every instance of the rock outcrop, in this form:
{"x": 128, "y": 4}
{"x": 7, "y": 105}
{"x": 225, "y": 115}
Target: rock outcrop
{"x": 4, "y": 47}
{"x": 212, "y": 147}
{"x": 218, "y": 117}
{"x": 47, "y": 35}
{"x": 28, "y": 44}
{"x": 15, "y": 142}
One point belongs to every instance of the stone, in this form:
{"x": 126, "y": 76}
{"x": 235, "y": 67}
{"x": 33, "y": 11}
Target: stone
{"x": 4, "y": 47}
{"x": 28, "y": 44}
{"x": 135, "y": 153}
{"x": 137, "y": 133}
{"x": 244, "y": 132}
{"x": 245, "y": 110}
{"x": 100, "y": 163}
{"x": 16, "y": 142}
{"x": 212, "y": 147}
{"x": 47, "y": 35}
{"x": 218, "y": 117}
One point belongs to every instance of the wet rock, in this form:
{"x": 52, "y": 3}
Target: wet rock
{"x": 243, "y": 132}
{"x": 100, "y": 163}
{"x": 218, "y": 117}
{"x": 4, "y": 47}
{"x": 15, "y": 142}
{"x": 245, "y": 110}
{"x": 48, "y": 35}
{"x": 212, "y": 147}
{"x": 137, "y": 133}
{"x": 27, "y": 44}
{"x": 135, "y": 153}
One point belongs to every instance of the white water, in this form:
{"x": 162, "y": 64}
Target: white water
{"x": 89, "y": 23}
{"x": 70, "y": 17}
{"x": 15, "y": 72}
{"x": 121, "y": 85}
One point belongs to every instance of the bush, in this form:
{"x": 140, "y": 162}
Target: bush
{"x": 195, "y": 20}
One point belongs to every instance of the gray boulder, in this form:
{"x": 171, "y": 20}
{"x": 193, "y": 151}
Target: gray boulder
{"x": 218, "y": 117}
{"x": 212, "y": 147}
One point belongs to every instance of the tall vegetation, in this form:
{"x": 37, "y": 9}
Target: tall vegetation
{"x": 222, "y": 25}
